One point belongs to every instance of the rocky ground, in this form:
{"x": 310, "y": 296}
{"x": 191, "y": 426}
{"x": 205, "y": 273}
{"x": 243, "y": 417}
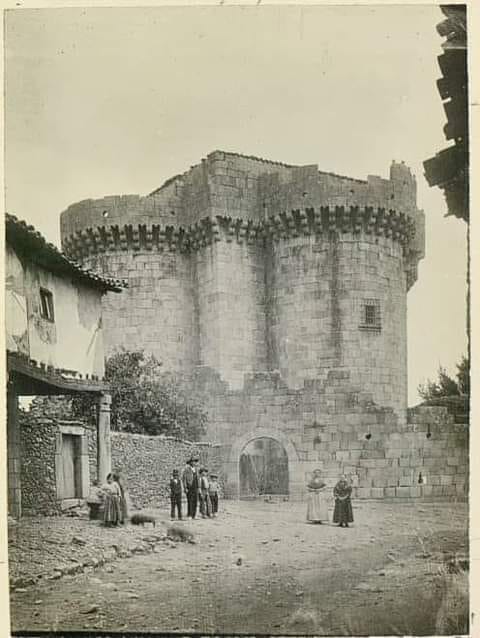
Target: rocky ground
{"x": 257, "y": 568}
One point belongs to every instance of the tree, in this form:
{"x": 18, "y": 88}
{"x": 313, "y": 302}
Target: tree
{"x": 463, "y": 376}
{"x": 148, "y": 400}
{"x": 446, "y": 386}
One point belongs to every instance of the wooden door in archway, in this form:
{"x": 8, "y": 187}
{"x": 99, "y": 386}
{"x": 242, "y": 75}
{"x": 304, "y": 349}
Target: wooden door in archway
{"x": 263, "y": 469}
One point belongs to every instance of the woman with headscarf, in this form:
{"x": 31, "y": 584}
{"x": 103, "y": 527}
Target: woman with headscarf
{"x": 317, "y": 508}
{"x": 343, "y": 513}
{"x": 112, "y": 513}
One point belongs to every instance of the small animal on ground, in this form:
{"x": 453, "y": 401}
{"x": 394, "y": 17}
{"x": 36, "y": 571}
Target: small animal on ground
{"x": 141, "y": 519}
{"x": 179, "y": 533}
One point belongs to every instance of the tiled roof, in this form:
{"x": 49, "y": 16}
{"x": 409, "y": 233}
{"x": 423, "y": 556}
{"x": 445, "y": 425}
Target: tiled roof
{"x": 32, "y": 245}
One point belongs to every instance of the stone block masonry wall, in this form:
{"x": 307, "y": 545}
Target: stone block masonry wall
{"x": 439, "y": 448}
{"x": 250, "y": 188}
{"x": 318, "y": 288}
{"x": 116, "y": 210}
{"x": 372, "y": 271}
{"x": 236, "y": 184}
{"x": 156, "y": 312}
{"x": 231, "y": 309}
{"x": 336, "y": 427}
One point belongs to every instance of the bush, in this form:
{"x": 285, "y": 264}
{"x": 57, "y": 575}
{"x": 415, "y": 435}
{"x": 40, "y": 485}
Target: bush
{"x": 446, "y": 386}
{"x": 145, "y": 400}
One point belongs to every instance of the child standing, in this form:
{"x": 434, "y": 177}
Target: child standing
{"x": 213, "y": 490}
{"x": 203, "y": 492}
{"x": 175, "y": 496}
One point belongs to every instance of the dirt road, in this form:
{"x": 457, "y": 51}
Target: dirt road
{"x": 260, "y": 568}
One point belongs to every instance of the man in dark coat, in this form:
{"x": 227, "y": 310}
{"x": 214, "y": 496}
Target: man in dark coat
{"x": 175, "y": 495}
{"x": 190, "y": 485}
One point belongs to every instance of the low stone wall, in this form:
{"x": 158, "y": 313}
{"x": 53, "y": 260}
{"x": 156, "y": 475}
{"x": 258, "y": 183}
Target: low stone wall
{"x": 438, "y": 447}
{"x": 146, "y": 463}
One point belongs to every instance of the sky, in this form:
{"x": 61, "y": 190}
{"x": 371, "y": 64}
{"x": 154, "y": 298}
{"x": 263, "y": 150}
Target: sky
{"x": 115, "y": 101}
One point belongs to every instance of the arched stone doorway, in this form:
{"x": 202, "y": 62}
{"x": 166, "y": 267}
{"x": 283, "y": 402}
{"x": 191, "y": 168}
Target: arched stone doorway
{"x": 263, "y": 469}
{"x": 232, "y": 467}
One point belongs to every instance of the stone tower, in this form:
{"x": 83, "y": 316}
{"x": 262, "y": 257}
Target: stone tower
{"x": 285, "y": 286}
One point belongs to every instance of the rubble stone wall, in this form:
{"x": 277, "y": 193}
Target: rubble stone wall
{"x": 146, "y": 463}
{"x": 37, "y": 462}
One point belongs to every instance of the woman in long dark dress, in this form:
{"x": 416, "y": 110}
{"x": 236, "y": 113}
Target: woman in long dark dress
{"x": 343, "y": 513}
{"x": 123, "y": 497}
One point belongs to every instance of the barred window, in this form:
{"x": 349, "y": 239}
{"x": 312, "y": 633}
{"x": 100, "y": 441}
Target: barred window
{"x": 371, "y": 317}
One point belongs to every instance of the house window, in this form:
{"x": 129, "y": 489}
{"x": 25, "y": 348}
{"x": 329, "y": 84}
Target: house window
{"x": 46, "y": 300}
{"x": 371, "y": 318}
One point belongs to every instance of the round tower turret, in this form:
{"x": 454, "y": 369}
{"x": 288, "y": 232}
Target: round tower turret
{"x": 242, "y": 265}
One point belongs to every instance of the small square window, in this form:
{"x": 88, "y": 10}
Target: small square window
{"x": 371, "y": 318}
{"x": 46, "y": 300}
{"x": 370, "y": 315}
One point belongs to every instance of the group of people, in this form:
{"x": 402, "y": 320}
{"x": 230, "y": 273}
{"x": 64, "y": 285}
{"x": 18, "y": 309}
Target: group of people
{"x": 112, "y": 497}
{"x": 201, "y": 490}
{"x": 317, "y": 509}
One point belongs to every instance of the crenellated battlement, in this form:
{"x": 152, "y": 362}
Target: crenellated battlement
{"x": 247, "y": 188}
{"x": 325, "y": 222}
{"x": 379, "y": 222}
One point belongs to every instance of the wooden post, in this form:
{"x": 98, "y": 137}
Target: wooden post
{"x": 13, "y": 454}
{"x": 104, "y": 459}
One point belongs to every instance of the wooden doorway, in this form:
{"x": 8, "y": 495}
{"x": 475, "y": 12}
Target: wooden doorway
{"x": 71, "y": 467}
{"x": 263, "y": 469}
